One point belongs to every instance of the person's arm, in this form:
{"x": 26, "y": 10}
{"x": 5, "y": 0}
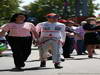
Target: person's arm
{"x": 63, "y": 34}
{"x": 78, "y": 32}
{"x": 2, "y": 33}
{"x": 71, "y": 32}
{"x": 34, "y": 32}
{"x": 97, "y": 28}
{"x": 89, "y": 28}
{"x": 3, "y": 29}
{"x": 79, "y": 36}
{"x": 68, "y": 29}
{"x": 38, "y": 29}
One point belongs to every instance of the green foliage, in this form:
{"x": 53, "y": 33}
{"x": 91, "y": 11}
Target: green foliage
{"x": 40, "y": 8}
{"x": 7, "y": 8}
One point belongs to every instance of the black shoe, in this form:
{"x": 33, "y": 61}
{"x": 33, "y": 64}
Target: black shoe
{"x": 17, "y": 69}
{"x": 79, "y": 54}
{"x": 90, "y": 56}
{"x": 49, "y": 58}
{"x": 67, "y": 56}
{"x": 57, "y": 66}
{"x": 43, "y": 64}
{"x": 23, "y": 65}
{"x": 62, "y": 60}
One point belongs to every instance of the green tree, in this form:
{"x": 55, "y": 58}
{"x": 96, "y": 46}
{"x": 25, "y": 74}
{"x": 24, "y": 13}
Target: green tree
{"x": 92, "y": 7}
{"x": 40, "y": 8}
{"x": 7, "y": 8}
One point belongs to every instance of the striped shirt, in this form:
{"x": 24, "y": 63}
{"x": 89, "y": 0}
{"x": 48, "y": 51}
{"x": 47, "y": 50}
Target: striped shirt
{"x": 19, "y": 30}
{"x": 51, "y": 30}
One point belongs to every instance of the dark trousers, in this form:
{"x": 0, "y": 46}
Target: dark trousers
{"x": 68, "y": 47}
{"x": 80, "y": 47}
{"x": 21, "y": 48}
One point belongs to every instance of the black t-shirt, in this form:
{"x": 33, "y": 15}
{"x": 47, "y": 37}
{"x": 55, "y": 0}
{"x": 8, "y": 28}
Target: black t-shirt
{"x": 97, "y": 28}
{"x": 89, "y": 27}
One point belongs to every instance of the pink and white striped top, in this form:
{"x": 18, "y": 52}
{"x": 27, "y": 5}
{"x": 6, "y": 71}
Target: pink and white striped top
{"x": 19, "y": 30}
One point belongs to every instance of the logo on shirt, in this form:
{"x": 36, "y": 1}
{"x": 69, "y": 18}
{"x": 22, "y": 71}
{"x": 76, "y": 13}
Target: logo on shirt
{"x": 57, "y": 28}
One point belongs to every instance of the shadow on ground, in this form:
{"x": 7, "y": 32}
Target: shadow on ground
{"x": 26, "y": 69}
{"x": 82, "y": 58}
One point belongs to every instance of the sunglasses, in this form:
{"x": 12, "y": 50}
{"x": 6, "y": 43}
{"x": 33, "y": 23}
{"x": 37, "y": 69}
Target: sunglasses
{"x": 55, "y": 17}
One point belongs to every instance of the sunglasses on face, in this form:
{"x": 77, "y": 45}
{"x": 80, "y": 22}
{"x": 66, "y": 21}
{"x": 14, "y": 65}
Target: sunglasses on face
{"x": 55, "y": 17}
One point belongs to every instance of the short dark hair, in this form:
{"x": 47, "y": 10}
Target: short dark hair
{"x": 13, "y": 18}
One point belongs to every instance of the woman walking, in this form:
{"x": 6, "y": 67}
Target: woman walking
{"x": 90, "y": 36}
{"x": 19, "y": 36}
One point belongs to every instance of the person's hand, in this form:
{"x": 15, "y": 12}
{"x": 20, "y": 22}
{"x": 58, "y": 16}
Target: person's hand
{"x": 36, "y": 42}
{"x": 98, "y": 30}
{"x": 63, "y": 43}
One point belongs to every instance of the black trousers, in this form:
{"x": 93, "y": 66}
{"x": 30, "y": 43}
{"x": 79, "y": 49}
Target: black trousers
{"x": 68, "y": 47}
{"x": 21, "y": 48}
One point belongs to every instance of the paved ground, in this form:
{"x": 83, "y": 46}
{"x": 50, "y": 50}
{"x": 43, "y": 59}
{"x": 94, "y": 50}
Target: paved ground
{"x": 79, "y": 65}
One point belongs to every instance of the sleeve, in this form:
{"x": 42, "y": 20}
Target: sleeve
{"x": 32, "y": 27}
{"x": 89, "y": 27}
{"x": 63, "y": 33}
{"x": 33, "y": 31}
{"x": 78, "y": 30}
{"x": 38, "y": 27}
{"x": 68, "y": 29}
{"x": 97, "y": 28}
{"x": 6, "y": 27}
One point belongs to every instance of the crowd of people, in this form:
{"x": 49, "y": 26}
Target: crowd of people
{"x": 84, "y": 37}
{"x": 55, "y": 37}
